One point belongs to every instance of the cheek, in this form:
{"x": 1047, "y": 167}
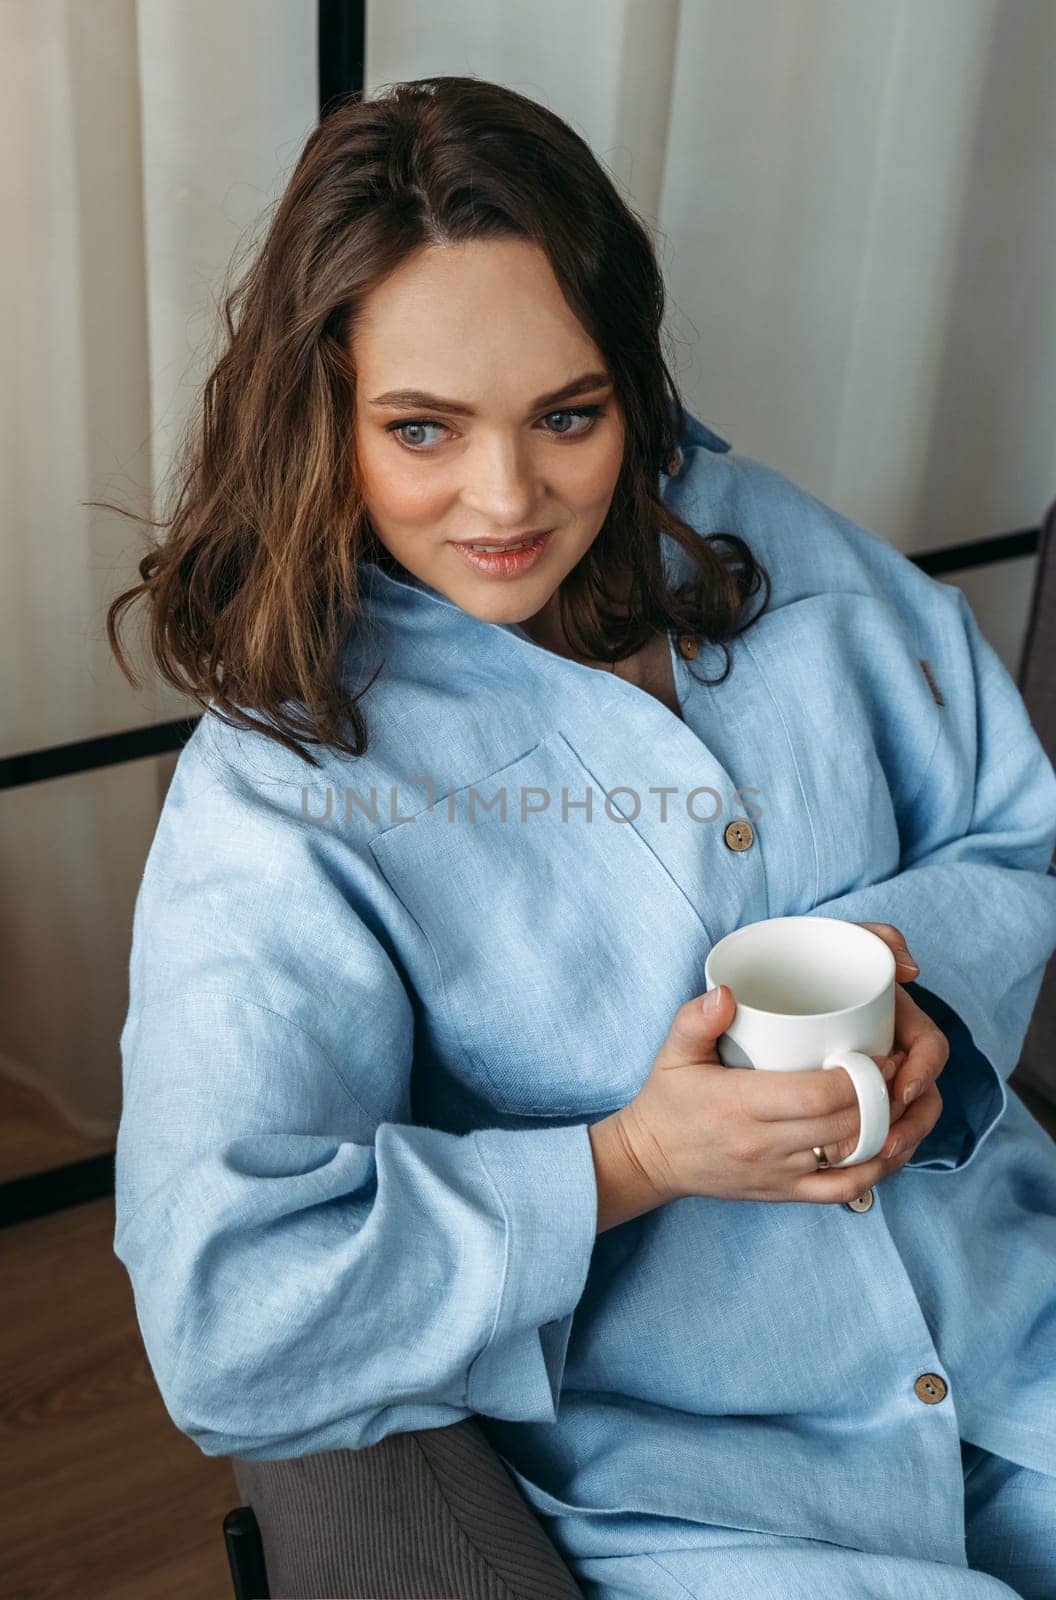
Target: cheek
{"x": 395, "y": 493}
{"x": 592, "y": 479}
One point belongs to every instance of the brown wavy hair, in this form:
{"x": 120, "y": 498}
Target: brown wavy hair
{"x": 252, "y": 593}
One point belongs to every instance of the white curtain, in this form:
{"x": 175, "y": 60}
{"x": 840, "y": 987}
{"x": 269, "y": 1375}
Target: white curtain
{"x": 854, "y": 203}
{"x": 142, "y": 141}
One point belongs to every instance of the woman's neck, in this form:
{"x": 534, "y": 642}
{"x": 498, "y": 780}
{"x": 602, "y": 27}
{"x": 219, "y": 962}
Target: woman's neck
{"x": 545, "y": 628}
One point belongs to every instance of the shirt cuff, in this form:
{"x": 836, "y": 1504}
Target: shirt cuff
{"x": 973, "y": 1092}
{"x": 547, "y": 1187}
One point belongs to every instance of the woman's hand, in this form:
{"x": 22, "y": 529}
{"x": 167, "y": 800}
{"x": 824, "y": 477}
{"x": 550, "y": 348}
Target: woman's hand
{"x": 697, "y": 1127}
{"x": 920, "y": 1052}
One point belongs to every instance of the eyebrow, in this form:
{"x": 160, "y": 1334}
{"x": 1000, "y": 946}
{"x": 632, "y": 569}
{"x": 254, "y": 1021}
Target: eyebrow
{"x": 585, "y": 384}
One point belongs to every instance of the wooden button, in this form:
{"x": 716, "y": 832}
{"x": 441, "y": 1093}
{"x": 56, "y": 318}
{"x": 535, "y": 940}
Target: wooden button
{"x": 930, "y": 1388}
{"x": 688, "y": 646}
{"x": 739, "y": 835}
{"x": 863, "y": 1202}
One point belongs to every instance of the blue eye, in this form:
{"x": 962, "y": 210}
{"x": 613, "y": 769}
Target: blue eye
{"x": 590, "y": 413}
{"x": 415, "y": 422}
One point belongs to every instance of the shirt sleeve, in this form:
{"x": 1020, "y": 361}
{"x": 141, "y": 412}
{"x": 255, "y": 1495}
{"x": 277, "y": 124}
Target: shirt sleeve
{"x": 975, "y": 893}
{"x": 311, "y": 1268}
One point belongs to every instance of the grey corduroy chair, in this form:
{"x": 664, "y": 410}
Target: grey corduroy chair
{"x": 435, "y": 1513}
{"x": 431, "y": 1514}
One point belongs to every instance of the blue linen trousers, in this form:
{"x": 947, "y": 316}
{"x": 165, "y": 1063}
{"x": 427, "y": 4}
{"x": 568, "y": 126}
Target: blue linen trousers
{"x": 1010, "y": 1549}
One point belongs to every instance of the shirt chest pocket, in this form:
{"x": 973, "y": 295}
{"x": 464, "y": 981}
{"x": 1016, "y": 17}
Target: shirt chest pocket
{"x": 555, "y": 946}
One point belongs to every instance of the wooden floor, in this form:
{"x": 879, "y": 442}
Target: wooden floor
{"x": 102, "y": 1497}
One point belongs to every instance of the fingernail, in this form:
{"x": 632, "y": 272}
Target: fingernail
{"x": 710, "y": 1002}
{"x": 892, "y": 1149}
{"x": 910, "y": 1092}
{"x": 905, "y": 957}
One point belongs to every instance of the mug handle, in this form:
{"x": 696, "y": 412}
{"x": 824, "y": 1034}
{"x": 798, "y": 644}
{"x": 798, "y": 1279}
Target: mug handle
{"x": 874, "y": 1104}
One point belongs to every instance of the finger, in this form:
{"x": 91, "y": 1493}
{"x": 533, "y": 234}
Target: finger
{"x": 696, "y": 1027}
{"x": 918, "y": 1121}
{"x": 839, "y": 1126}
{"x": 889, "y": 1065}
{"x": 896, "y": 943}
{"x": 896, "y": 1107}
{"x": 807, "y": 1095}
{"x": 927, "y": 1050}
{"x": 839, "y": 1129}
{"x": 897, "y": 1149}
{"x": 833, "y": 1185}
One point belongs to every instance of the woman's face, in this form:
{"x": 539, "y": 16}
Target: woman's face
{"x": 491, "y": 447}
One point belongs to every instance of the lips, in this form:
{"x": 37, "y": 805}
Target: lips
{"x": 505, "y": 563}
{"x": 496, "y": 548}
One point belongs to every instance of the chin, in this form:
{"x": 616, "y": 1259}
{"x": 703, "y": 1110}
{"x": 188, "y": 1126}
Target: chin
{"x": 503, "y": 607}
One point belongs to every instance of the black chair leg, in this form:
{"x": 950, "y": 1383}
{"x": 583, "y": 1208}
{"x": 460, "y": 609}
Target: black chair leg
{"x": 245, "y": 1555}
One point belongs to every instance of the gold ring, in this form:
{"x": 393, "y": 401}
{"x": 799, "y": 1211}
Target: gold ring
{"x": 820, "y": 1156}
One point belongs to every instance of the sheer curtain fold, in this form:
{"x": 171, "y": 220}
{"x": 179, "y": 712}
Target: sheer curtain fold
{"x": 142, "y": 142}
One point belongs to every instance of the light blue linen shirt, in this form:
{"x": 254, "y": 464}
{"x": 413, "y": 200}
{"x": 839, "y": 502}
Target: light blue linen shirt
{"x": 367, "y": 1035}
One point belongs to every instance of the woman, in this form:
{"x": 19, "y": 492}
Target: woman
{"x": 400, "y": 1142}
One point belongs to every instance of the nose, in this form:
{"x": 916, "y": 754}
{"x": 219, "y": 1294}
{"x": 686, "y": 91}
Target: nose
{"x": 501, "y": 486}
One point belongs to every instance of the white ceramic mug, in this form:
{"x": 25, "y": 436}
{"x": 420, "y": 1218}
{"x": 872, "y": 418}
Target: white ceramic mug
{"x": 812, "y": 992}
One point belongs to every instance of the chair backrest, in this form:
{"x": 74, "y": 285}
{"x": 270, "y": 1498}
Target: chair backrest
{"x": 1037, "y": 666}
{"x": 432, "y": 1513}
{"x": 1037, "y": 685}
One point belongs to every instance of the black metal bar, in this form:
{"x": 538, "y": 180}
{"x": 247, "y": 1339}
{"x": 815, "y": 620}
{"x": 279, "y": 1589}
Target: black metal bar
{"x": 84, "y": 755}
{"x": 342, "y": 50}
{"x": 22, "y": 1199}
{"x": 245, "y": 1554}
{"x": 65, "y": 760}
{"x": 978, "y": 552}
